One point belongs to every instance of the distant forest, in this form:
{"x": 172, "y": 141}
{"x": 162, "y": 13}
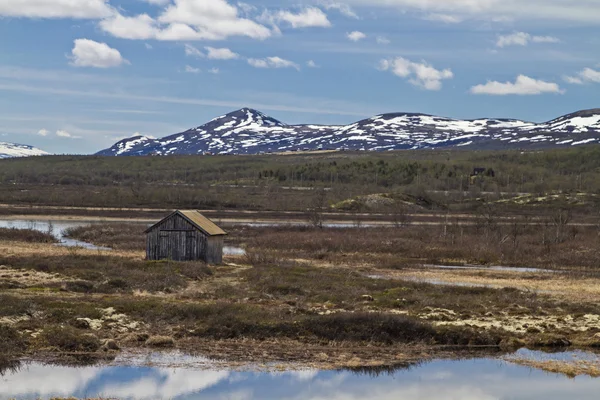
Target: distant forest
{"x": 274, "y": 181}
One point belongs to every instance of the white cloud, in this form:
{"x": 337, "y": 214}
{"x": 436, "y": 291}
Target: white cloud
{"x": 43, "y": 132}
{"x": 517, "y": 38}
{"x": 88, "y": 53}
{"x": 186, "y": 20}
{"x": 587, "y": 75}
{"x": 158, "y": 2}
{"x": 192, "y": 70}
{"x": 214, "y": 71}
{"x": 258, "y": 63}
{"x": 343, "y": 8}
{"x": 212, "y": 20}
{"x": 64, "y": 134}
{"x": 445, "y": 18}
{"x": 311, "y": 64}
{"x": 573, "y": 80}
{"x": 192, "y": 51}
{"x": 246, "y": 8}
{"x": 590, "y": 75}
{"x": 523, "y": 86}
{"x": 140, "y": 27}
{"x": 80, "y": 9}
{"x": 306, "y": 18}
{"x": 272, "y": 62}
{"x": 382, "y": 40}
{"x": 221, "y": 54}
{"x": 148, "y": 46}
{"x": 523, "y": 39}
{"x": 356, "y": 36}
{"x": 545, "y": 39}
{"x": 419, "y": 74}
{"x": 498, "y": 10}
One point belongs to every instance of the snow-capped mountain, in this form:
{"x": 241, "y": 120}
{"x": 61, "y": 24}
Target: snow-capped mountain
{"x": 248, "y": 131}
{"x": 9, "y": 150}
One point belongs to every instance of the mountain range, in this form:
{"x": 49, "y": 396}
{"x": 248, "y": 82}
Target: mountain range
{"x": 247, "y": 131}
{"x": 9, "y": 150}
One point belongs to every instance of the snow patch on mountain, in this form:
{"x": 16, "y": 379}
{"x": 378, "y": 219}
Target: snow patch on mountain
{"x": 10, "y": 150}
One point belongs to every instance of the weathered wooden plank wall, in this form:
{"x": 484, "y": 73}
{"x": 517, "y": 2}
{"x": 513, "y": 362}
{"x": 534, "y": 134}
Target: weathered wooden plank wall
{"x": 178, "y": 240}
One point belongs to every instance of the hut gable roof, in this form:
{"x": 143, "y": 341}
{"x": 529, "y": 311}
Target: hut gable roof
{"x": 198, "y": 220}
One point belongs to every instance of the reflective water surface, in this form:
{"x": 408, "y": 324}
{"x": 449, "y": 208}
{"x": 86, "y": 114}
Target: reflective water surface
{"x": 478, "y": 379}
{"x": 55, "y": 228}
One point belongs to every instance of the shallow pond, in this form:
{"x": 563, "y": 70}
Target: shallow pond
{"x": 478, "y": 379}
{"x": 56, "y": 229}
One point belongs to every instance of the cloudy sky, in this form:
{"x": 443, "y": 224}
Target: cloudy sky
{"x": 78, "y": 75}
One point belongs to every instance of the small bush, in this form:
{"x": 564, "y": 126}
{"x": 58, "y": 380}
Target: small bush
{"x": 80, "y": 287}
{"x": 69, "y": 339}
{"x": 369, "y": 327}
{"x": 11, "y": 342}
{"x": 160, "y": 341}
{"x": 262, "y": 258}
{"x": 194, "y": 270}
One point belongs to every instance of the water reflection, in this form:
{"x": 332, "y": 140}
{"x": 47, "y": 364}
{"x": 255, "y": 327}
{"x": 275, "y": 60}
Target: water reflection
{"x": 480, "y": 379}
{"x": 233, "y": 251}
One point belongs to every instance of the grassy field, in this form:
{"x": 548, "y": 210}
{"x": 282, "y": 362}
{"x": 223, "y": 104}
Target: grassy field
{"x": 368, "y": 293}
{"x": 324, "y": 297}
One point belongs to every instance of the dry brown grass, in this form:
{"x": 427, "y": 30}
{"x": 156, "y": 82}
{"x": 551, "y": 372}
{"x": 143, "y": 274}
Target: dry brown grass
{"x": 564, "y": 287}
{"x": 295, "y": 293}
{"x": 26, "y": 235}
{"x": 118, "y": 236}
{"x": 96, "y": 271}
{"x": 526, "y": 245}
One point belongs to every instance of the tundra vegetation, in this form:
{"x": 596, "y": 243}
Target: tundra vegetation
{"x": 369, "y": 293}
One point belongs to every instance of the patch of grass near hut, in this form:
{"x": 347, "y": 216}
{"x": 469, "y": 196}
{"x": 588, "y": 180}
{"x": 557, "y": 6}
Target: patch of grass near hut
{"x": 93, "y": 273}
{"x": 115, "y": 236}
{"x": 26, "y": 235}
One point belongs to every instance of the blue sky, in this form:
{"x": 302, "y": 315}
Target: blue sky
{"x": 78, "y": 75}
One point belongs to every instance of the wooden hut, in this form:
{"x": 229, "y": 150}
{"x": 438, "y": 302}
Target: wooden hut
{"x": 185, "y": 236}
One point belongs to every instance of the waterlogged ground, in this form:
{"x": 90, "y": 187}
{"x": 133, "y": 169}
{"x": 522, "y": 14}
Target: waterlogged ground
{"x": 154, "y": 376}
{"x": 56, "y": 228}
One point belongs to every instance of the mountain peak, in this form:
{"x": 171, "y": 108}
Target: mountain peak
{"x": 9, "y": 150}
{"x": 244, "y": 117}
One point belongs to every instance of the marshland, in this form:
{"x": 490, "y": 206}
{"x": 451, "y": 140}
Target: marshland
{"x": 338, "y": 261}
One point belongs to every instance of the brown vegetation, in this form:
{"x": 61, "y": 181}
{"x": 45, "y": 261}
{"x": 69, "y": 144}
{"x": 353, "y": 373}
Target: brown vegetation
{"x": 118, "y": 236}
{"x": 26, "y": 235}
{"x": 296, "y": 285}
{"x": 87, "y": 272}
{"x": 523, "y": 243}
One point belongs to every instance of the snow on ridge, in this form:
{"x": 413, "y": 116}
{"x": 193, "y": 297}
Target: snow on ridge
{"x": 10, "y": 150}
{"x": 127, "y": 145}
{"x": 248, "y": 131}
